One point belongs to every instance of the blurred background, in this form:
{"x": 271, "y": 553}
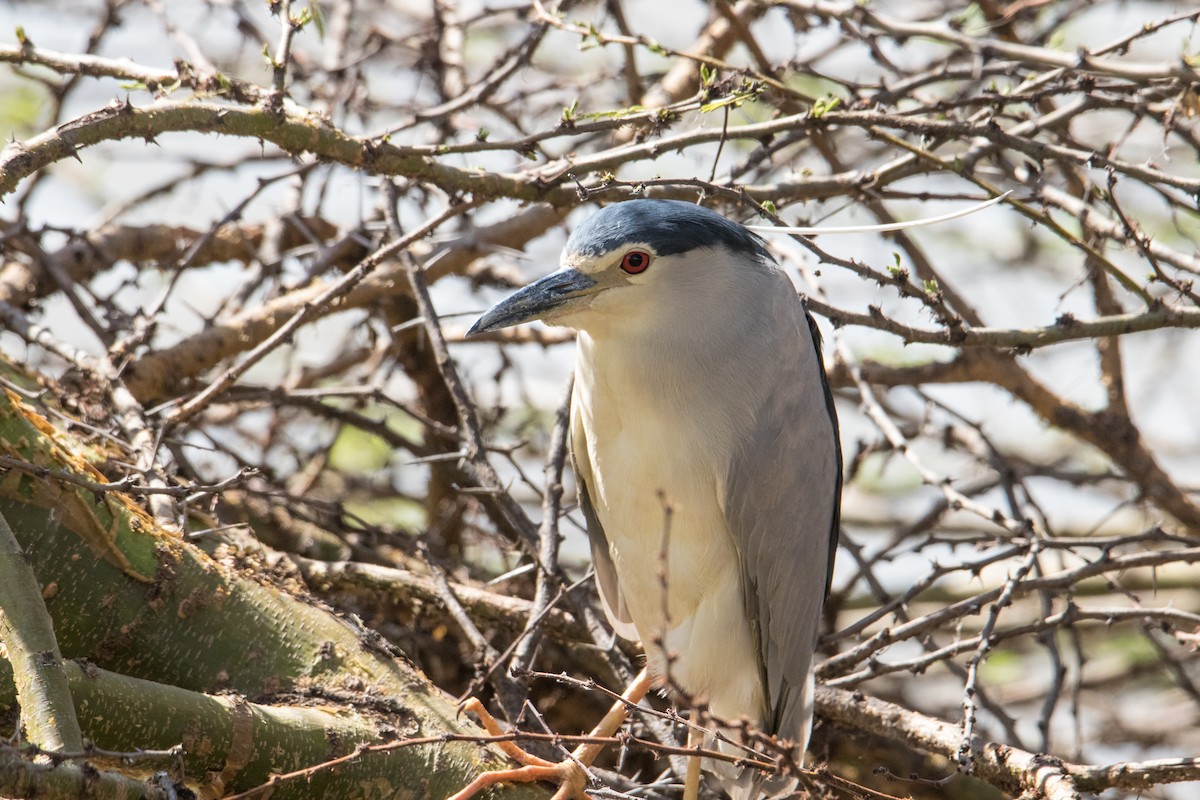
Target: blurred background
{"x": 1016, "y": 388}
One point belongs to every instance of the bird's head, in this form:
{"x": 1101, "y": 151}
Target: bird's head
{"x": 634, "y": 262}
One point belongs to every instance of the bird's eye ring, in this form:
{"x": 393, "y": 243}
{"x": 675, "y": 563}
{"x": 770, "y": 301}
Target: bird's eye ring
{"x": 635, "y": 261}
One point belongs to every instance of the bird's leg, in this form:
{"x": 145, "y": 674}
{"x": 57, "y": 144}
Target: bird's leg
{"x": 509, "y": 747}
{"x": 570, "y": 775}
{"x": 691, "y": 783}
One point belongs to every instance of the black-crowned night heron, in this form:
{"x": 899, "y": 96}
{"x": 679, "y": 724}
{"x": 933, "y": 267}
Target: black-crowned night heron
{"x": 705, "y": 444}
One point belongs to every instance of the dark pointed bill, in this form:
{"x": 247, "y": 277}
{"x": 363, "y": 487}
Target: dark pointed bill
{"x": 534, "y": 300}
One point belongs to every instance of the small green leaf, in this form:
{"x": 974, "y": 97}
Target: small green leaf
{"x": 592, "y": 32}
{"x": 749, "y": 90}
{"x": 824, "y": 105}
{"x": 769, "y": 207}
{"x": 931, "y": 287}
{"x": 614, "y": 114}
{"x": 730, "y": 100}
{"x": 318, "y": 17}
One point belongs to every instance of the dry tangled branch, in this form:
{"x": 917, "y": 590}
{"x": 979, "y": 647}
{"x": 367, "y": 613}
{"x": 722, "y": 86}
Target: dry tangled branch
{"x": 240, "y": 241}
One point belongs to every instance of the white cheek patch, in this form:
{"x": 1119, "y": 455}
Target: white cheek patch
{"x": 588, "y": 266}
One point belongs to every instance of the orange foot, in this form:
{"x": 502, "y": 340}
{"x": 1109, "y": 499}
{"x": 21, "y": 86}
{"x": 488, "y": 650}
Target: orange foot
{"x": 570, "y": 776}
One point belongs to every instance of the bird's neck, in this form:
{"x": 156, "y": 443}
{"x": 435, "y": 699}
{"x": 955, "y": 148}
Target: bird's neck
{"x": 664, "y": 371}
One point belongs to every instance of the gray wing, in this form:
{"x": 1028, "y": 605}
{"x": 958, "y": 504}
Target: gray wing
{"x": 611, "y": 598}
{"x": 783, "y": 508}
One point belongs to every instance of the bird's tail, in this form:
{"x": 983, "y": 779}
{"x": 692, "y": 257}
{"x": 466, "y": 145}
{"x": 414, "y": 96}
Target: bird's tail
{"x": 750, "y": 784}
{"x": 756, "y": 786}
{"x": 742, "y": 783}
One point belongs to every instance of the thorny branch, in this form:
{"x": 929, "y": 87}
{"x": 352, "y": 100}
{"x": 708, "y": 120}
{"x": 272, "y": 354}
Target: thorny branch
{"x": 269, "y": 355}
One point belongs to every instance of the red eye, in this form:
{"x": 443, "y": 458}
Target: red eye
{"x": 635, "y": 261}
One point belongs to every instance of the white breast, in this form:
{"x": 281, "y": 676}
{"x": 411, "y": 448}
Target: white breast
{"x": 659, "y": 460}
